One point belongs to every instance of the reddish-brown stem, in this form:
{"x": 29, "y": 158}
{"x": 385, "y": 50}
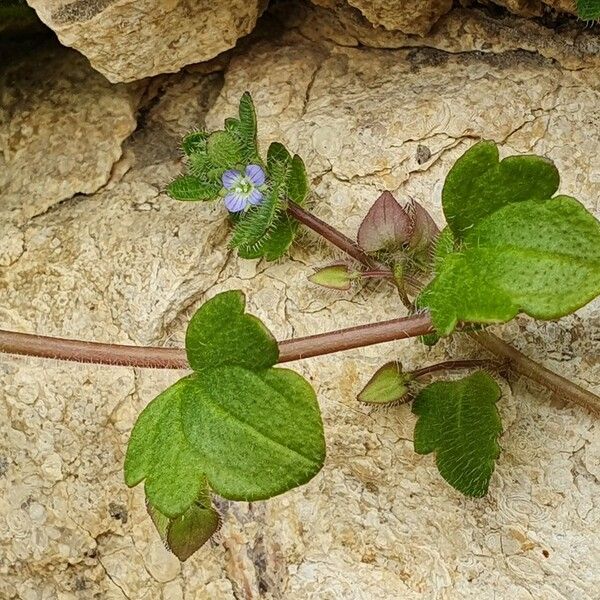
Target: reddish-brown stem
{"x": 174, "y": 358}
{"x": 456, "y": 365}
{"x": 332, "y": 235}
{"x": 519, "y": 363}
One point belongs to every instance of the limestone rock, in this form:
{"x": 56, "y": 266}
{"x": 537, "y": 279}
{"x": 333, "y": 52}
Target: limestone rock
{"x": 534, "y": 8}
{"x": 408, "y": 16}
{"x": 128, "y": 264}
{"x": 61, "y": 129}
{"x": 131, "y": 39}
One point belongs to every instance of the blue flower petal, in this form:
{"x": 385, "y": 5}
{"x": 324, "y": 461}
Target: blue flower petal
{"x": 230, "y": 178}
{"x": 255, "y": 174}
{"x": 255, "y": 197}
{"x": 235, "y": 203}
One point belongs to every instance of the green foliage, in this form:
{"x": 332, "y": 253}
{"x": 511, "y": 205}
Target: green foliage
{"x": 244, "y": 130}
{"x": 335, "y": 277}
{"x": 248, "y": 430}
{"x": 221, "y": 333}
{"x": 185, "y": 534}
{"x": 459, "y": 421}
{"x": 541, "y": 257}
{"x": 188, "y": 187}
{"x": 266, "y": 230}
{"x": 479, "y": 184}
{"x": 194, "y": 143}
{"x": 388, "y": 385}
{"x": 209, "y": 155}
{"x": 223, "y": 150}
{"x": 588, "y": 10}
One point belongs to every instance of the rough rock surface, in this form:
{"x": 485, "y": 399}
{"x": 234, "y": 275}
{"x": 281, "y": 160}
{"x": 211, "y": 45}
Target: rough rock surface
{"x": 419, "y": 16}
{"x": 127, "y": 264}
{"x": 61, "y": 129}
{"x": 408, "y": 16}
{"x": 131, "y": 39}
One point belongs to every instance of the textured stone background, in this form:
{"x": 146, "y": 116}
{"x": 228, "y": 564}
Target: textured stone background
{"x": 90, "y": 247}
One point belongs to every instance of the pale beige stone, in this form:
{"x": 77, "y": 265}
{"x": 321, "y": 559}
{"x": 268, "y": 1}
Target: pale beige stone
{"x": 131, "y": 39}
{"x": 61, "y": 129}
{"x": 534, "y": 8}
{"x": 127, "y": 264}
{"x": 408, "y": 16}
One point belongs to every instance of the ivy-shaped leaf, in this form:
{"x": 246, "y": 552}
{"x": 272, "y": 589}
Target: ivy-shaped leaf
{"x": 479, "y": 184}
{"x": 249, "y": 430}
{"x": 459, "y": 421}
{"x": 539, "y": 257}
{"x": 221, "y": 333}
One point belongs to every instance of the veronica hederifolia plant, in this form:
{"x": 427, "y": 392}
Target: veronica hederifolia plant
{"x": 244, "y": 429}
{"x": 510, "y": 245}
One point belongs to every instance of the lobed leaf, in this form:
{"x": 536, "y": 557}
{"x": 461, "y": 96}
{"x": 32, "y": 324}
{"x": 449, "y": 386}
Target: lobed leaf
{"x": 250, "y": 435}
{"x": 459, "y": 421}
{"x": 247, "y": 430}
{"x": 480, "y": 184}
{"x": 538, "y": 257}
{"x": 221, "y": 333}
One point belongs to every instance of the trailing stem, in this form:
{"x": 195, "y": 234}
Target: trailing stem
{"x": 174, "y": 358}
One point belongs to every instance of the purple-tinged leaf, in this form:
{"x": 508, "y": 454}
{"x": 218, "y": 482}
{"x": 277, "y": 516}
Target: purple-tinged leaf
{"x": 386, "y": 225}
{"x": 337, "y": 277}
{"x": 425, "y": 231}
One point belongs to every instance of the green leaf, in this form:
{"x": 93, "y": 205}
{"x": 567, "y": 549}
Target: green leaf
{"x": 190, "y": 188}
{"x": 251, "y": 435}
{"x": 256, "y": 226}
{"x": 276, "y": 244}
{"x": 277, "y": 155}
{"x": 588, "y": 10}
{"x": 223, "y": 150}
{"x": 260, "y": 433}
{"x": 221, "y": 333}
{"x": 248, "y": 129}
{"x": 248, "y": 431}
{"x": 297, "y": 185}
{"x": 388, "y": 385}
{"x": 538, "y": 257}
{"x": 187, "y": 533}
{"x": 459, "y": 421}
{"x": 174, "y": 478}
{"x": 479, "y": 184}
{"x": 336, "y": 277}
{"x": 444, "y": 245}
{"x": 194, "y": 142}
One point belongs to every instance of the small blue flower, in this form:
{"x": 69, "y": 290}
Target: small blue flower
{"x": 243, "y": 189}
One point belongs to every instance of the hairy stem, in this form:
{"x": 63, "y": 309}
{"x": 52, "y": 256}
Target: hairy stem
{"x": 516, "y": 360}
{"x": 457, "y": 365}
{"x": 519, "y": 363}
{"x": 174, "y": 358}
{"x": 335, "y": 237}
